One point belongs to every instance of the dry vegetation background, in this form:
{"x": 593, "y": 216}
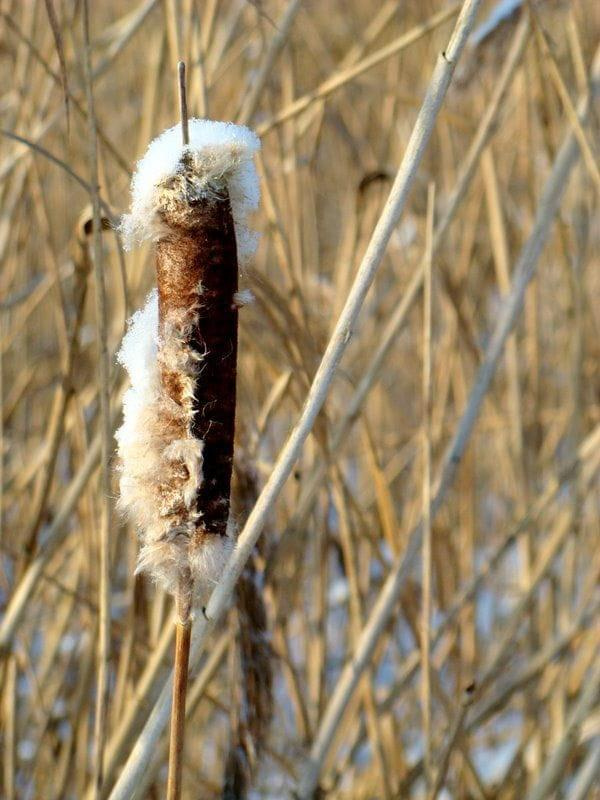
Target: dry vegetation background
{"x": 512, "y": 582}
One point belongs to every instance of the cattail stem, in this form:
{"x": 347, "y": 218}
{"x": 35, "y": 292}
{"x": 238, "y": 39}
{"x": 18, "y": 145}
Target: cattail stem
{"x": 180, "y": 678}
{"x": 183, "y": 630}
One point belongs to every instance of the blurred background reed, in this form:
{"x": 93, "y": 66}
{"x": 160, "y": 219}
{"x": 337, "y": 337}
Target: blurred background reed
{"x": 510, "y": 707}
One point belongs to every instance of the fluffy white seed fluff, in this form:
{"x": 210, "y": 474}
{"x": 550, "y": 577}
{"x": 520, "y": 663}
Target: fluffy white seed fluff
{"x": 160, "y": 460}
{"x": 221, "y": 150}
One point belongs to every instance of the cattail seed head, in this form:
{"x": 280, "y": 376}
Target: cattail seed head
{"x": 219, "y": 153}
{"x": 176, "y": 441}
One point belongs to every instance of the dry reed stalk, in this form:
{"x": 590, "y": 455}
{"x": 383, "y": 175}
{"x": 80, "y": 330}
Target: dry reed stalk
{"x": 100, "y": 297}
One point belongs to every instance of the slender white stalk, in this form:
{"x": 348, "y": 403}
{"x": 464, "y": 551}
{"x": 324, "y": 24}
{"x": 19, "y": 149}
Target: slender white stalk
{"x": 386, "y": 602}
{"x": 129, "y": 781}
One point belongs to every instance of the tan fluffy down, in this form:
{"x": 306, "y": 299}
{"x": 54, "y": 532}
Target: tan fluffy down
{"x": 160, "y": 462}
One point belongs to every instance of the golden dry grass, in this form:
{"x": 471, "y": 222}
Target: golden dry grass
{"x": 513, "y": 575}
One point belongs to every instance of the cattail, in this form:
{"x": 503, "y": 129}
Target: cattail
{"x": 191, "y": 195}
{"x": 176, "y": 441}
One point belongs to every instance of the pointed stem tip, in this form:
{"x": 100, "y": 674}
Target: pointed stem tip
{"x": 185, "y": 132}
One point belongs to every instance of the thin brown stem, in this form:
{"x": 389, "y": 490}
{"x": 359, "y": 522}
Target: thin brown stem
{"x": 183, "y": 110}
{"x": 180, "y": 678}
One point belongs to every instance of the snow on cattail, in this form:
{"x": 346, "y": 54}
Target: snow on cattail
{"x": 176, "y": 441}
